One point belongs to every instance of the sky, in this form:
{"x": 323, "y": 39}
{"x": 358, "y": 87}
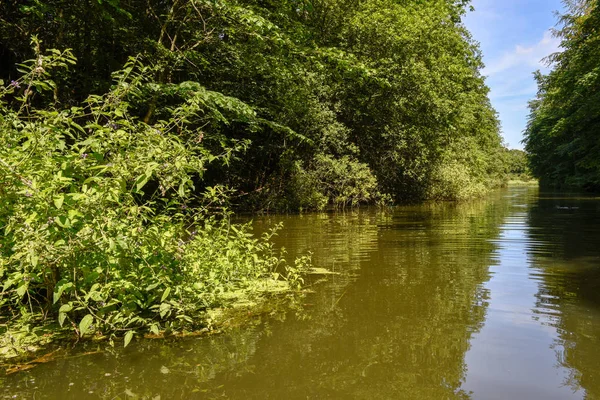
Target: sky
{"x": 514, "y": 36}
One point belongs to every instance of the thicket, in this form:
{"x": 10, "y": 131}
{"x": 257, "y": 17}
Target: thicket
{"x": 102, "y": 227}
{"x": 562, "y": 132}
{"x": 517, "y": 165}
{"x": 345, "y": 102}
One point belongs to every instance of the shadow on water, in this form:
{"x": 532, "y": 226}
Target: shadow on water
{"x": 565, "y": 247}
{"x": 399, "y": 321}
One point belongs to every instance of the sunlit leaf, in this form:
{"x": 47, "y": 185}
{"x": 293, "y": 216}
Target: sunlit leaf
{"x": 128, "y": 337}
{"x": 58, "y": 201}
{"x": 85, "y": 324}
{"x": 165, "y": 294}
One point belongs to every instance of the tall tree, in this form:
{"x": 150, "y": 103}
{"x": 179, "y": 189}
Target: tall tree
{"x": 562, "y": 132}
{"x": 351, "y": 100}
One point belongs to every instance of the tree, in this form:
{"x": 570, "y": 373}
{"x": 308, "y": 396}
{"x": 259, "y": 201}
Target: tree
{"x": 561, "y": 134}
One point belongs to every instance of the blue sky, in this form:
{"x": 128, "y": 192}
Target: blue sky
{"x": 514, "y": 36}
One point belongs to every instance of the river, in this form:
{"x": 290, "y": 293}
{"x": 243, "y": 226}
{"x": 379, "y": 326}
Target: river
{"x": 492, "y": 299}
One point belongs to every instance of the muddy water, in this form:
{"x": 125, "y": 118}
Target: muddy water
{"x": 495, "y": 299}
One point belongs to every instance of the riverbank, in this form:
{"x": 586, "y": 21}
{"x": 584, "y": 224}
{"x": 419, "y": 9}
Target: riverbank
{"x": 519, "y": 182}
{"x": 38, "y": 342}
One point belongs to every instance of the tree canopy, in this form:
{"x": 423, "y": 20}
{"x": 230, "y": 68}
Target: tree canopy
{"x": 562, "y": 132}
{"x": 337, "y": 102}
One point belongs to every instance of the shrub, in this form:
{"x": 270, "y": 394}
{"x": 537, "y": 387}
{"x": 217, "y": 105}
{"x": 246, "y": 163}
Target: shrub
{"x": 102, "y": 226}
{"x": 340, "y": 182}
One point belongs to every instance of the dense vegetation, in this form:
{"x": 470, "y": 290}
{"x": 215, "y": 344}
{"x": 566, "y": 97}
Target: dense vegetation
{"x": 122, "y": 150}
{"x": 517, "y": 166}
{"x": 339, "y": 102}
{"x": 89, "y": 240}
{"x": 562, "y": 133}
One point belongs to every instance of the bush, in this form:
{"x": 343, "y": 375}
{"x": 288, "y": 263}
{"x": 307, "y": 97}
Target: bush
{"x": 453, "y": 181}
{"x": 340, "y": 182}
{"x": 102, "y": 226}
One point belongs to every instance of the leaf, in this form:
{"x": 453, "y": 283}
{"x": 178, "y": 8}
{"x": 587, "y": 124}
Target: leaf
{"x": 181, "y": 190}
{"x": 21, "y": 290}
{"x": 63, "y": 222}
{"x": 61, "y": 318}
{"x": 65, "y": 308}
{"x": 165, "y": 294}
{"x": 60, "y": 287}
{"x": 153, "y": 286}
{"x": 154, "y": 329}
{"x": 164, "y": 309}
{"x": 58, "y": 201}
{"x": 128, "y": 337}
{"x": 74, "y": 213}
{"x": 141, "y": 182}
{"x": 34, "y": 260}
{"x": 84, "y": 325}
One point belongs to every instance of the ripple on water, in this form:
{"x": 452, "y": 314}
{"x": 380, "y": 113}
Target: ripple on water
{"x": 491, "y": 299}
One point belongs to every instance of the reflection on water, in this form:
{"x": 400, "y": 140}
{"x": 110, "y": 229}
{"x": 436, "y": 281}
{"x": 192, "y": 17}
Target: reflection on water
{"x": 492, "y": 299}
{"x": 512, "y": 356}
{"x": 567, "y": 265}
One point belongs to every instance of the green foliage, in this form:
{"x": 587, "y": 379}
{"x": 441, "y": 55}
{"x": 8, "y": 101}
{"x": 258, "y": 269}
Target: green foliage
{"x": 426, "y": 103}
{"x": 314, "y": 90}
{"x": 517, "y": 165}
{"x": 103, "y": 227}
{"x": 340, "y": 182}
{"x": 561, "y": 136}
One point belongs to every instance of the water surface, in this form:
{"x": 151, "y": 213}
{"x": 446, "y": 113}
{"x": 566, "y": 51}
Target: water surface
{"x": 493, "y": 299}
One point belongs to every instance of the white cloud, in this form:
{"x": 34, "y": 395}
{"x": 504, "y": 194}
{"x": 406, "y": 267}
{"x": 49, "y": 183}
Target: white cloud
{"x": 522, "y": 56}
{"x": 514, "y": 38}
{"x": 510, "y": 79}
{"x": 517, "y": 89}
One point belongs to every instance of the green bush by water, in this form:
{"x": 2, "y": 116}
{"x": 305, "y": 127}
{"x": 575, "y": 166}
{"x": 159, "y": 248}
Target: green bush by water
{"x": 103, "y": 228}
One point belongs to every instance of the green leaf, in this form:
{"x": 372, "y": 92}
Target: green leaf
{"x": 63, "y": 222}
{"x": 58, "y": 201}
{"x": 65, "y": 308}
{"x": 34, "y": 259}
{"x": 154, "y": 329}
{"x": 165, "y": 294}
{"x": 60, "y": 287}
{"x": 61, "y": 318}
{"x": 164, "y": 309}
{"x": 153, "y": 286}
{"x": 21, "y": 290}
{"x": 141, "y": 182}
{"x": 74, "y": 213}
{"x": 128, "y": 337}
{"x": 84, "y": 325}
